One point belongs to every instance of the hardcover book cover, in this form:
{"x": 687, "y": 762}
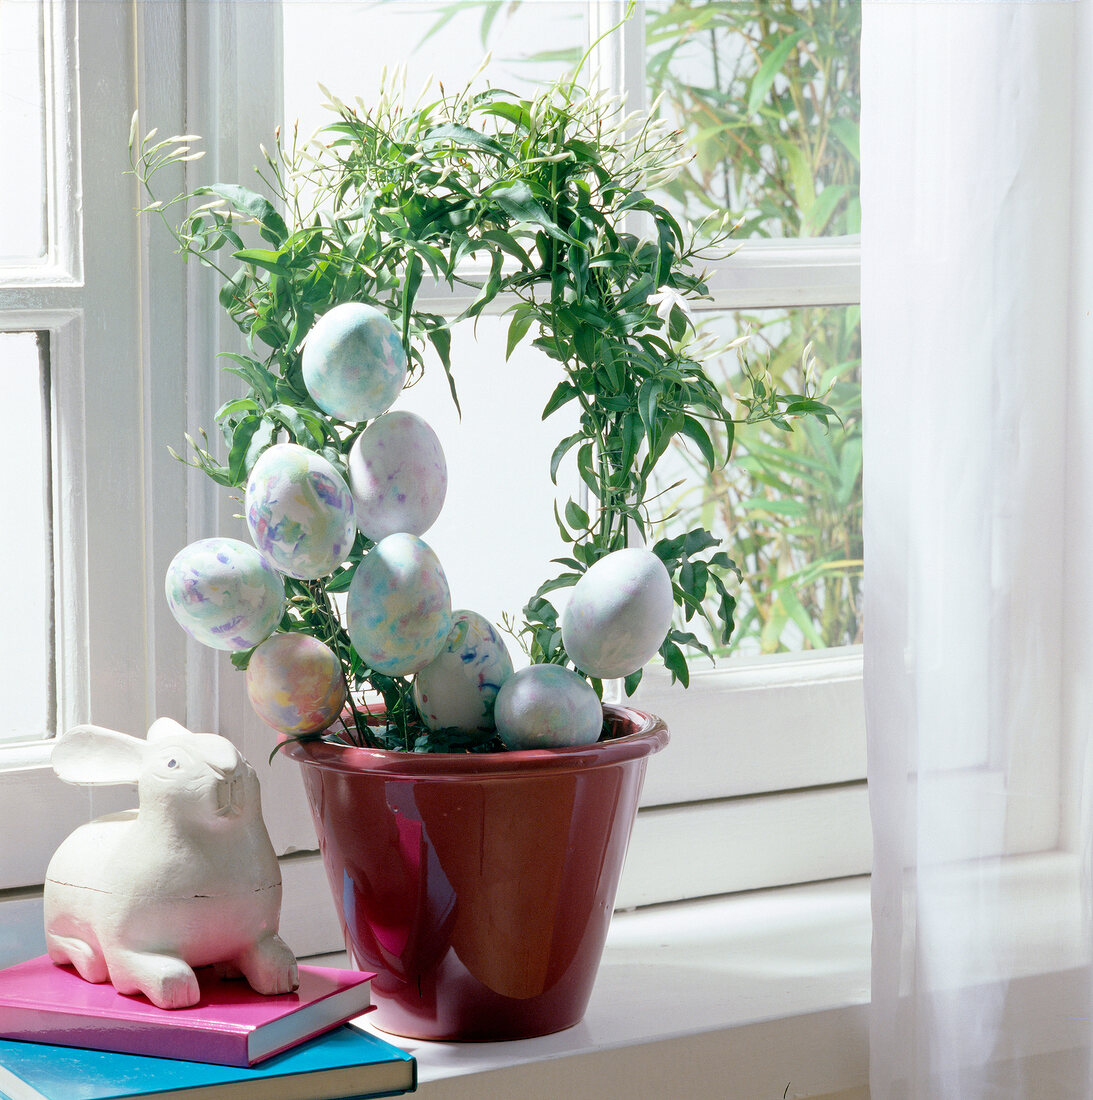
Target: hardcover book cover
{"x": 346, "y": 1063}
{"x": 230, "y": 1025}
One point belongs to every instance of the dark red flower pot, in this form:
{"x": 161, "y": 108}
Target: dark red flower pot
{"x": 479, "y": 887}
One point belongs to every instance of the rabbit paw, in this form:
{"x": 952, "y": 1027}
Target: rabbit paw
{"x": 71, "y": 950}
{"x": 270, "y": 967}
{"x": 166, "y": 981}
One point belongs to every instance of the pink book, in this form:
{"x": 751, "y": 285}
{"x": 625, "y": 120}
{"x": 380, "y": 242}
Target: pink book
{"x": 231, "y": 1025}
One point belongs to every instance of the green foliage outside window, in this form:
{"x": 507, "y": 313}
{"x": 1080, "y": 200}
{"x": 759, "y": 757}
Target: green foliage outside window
{"x": 766, "y": 93}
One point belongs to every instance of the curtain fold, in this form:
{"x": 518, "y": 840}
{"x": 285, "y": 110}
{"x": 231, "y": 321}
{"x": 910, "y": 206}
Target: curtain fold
{"x": 978, "y": 523}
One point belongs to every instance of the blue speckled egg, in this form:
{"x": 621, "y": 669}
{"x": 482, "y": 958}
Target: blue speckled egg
{"x": 398, "y": 476}
{"x": 456, "y": 689}
{"x": 399, "y": 608}
{"x": 354, "y": 364}
{"x": 224, "y": 594}
{"x": 547, "y": 707}
{"x": 299, "y": 511}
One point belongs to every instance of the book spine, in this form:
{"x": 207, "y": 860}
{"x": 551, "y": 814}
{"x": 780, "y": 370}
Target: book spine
{"x": 129, "y": 1037}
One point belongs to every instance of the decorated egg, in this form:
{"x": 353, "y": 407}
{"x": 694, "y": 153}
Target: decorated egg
{"x": 399, "y": 608}
{"x": 299, "y": 511}
{"x": 618, "y": 613}
{"x": 295, "y": 683}
{"x": 354, "y": 364}
{"x": 547, "y": 706}
{"x": 398, "y": 476}
{"x": 224, "y": 594}
{"x": 456, "y": 689}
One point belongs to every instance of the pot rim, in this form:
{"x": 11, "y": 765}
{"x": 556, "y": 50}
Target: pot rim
{"x": 649, "y": 736}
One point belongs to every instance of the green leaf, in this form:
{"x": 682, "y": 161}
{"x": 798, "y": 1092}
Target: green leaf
{"x": 463, "y": 135}
{"x": 807, "y": 406}
{"x": 489, "y": 289}
{"x": 632, "y": 435}
{"x": 630, "y": 684}
{"x": 576, "y": 516}
{"x": 241, "y": 441}
{"x": 508, "y": 243}
{"x": 271, "y": 225}
{"x": 675, "y": 663}
{"x": 515, "y": 113}
{"x": 441, "y": 339}
{"x": 801, "y": 180}
{"x": 847, "y": 132}
{"x": 694, "y": 430}
{"x": 584, "y": 468}
{"x": 264, "y": 258}
{"x": 800, "y": 616}
{"x": 769, "y": 69}
{"x": 410, "y": 282}
{"x": 516, "y": 198}
{"x": 242, "y": 404}
{"x": 819, "y": 213}
{"x": 694, "y": 542}
{"x": 563, "y": 530}
{"x": 560, "y": 452}
{"x": 792, "y": 508}
{"x": 563, "y": 392}
{"x": 522, "y": 320}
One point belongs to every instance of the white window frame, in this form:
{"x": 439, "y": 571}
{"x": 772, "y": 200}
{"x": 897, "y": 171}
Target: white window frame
{"x": 768, "y": 753}
{"x": 99, "y": 586}
{"x": 767, "y": 758}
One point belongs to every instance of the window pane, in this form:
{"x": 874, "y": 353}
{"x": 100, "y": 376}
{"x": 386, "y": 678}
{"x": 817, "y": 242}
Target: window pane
{"x": 22, "y": 133}
{"x": 26, "y": 643}
{"x": 346, "y": 46}
{"x": 788, "y": 506}
{"x": 768, "y": 98}
{"x": 496, "y": 534}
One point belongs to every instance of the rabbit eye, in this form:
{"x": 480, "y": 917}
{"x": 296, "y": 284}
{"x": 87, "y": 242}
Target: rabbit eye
{"x": 172, "y": 763}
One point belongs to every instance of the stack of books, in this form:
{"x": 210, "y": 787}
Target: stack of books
{"x": 62, "y": 1038}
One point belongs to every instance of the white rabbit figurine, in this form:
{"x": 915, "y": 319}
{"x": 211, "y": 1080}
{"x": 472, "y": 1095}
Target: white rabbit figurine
{"x": 189, "y": 879}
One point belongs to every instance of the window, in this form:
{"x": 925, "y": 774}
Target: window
{"x": 27, "y": 671}
{"x": 68, "y": 314}
{"x": 750, "y": 729}
{"x": 132, "y": 336}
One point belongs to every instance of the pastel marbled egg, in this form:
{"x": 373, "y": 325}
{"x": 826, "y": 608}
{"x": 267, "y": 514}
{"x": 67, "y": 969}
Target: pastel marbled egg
{"x": 224, "y": 594}
{"x": 457, "y": 688}
{"x": 399, "y": 608}
{"x": 353, "y": 362}
{"x": 618, "y": 613}
{"x": 398, "y": 476}
{"x": 295, "y": 683}
{"x": 547, "y": 707}
{"x": 299, "y": 511}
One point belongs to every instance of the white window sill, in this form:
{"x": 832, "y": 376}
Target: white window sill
{"x": 755, "y": 995}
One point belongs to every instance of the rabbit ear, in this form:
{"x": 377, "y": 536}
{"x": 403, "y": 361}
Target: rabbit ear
{"x": 166, "y": 727}
{"x": 93, "y": 755}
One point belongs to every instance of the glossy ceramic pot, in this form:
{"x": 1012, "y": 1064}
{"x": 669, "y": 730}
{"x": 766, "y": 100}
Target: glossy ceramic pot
{"x": 479, "y": 887}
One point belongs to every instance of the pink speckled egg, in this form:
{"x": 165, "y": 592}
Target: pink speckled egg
{"x": 299, "y": 511}
{"x": 398, "y": 476}
{"x": 399, "y": 607}
{"x": 295, "y": 683}
{"x": 224, "y": 594}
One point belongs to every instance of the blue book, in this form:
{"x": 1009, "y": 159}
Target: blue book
{"x": 344, "y": 1064}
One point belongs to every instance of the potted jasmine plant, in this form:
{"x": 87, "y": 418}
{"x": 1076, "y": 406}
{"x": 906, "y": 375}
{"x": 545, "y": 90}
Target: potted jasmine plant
{"x": 473, "y": 818}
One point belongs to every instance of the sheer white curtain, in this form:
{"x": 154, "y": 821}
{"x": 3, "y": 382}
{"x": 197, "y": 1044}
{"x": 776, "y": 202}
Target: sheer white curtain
{"x": 977, "y": 297}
